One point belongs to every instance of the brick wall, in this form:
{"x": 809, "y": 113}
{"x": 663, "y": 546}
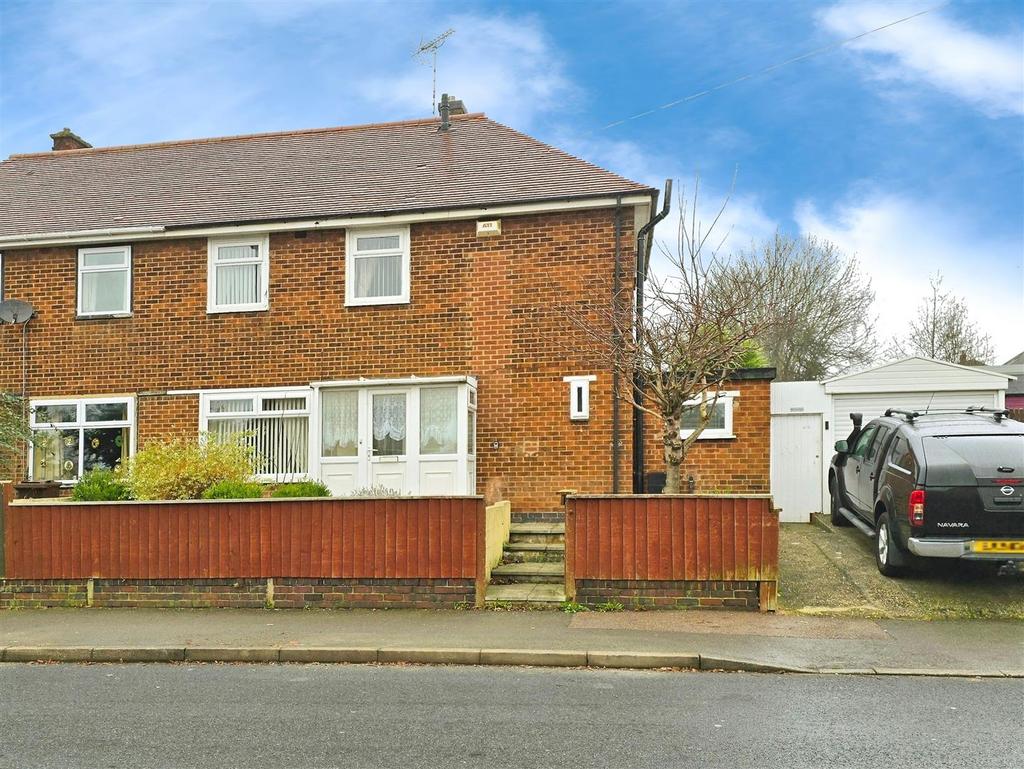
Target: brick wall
{"x": 669, "y": 594}
{"x": 740, "y": 465}
{"x": 240, "y": 593}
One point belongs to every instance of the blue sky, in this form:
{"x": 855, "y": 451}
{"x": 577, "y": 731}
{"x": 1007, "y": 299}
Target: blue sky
{"x": 906, "y": 148}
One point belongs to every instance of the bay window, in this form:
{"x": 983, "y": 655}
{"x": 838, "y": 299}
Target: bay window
{"x": 72, "y": 437}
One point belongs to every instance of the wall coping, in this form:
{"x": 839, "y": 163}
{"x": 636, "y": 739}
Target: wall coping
{"x": 668, "y": 496}
{"x": 67, "y": 501}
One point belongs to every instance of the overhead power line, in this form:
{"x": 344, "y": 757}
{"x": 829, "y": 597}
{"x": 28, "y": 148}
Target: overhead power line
{"x": 772, "y": 67}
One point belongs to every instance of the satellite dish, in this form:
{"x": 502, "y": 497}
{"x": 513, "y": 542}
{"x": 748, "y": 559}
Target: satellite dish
{"x": 15, "y": 311}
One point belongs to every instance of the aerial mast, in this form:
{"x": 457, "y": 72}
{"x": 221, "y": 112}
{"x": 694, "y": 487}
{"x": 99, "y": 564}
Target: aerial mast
{"x": 430, "y": 49}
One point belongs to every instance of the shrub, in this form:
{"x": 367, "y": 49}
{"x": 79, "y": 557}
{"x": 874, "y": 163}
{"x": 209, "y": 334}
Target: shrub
{"x": 101, "y": 485}
{"x": 234, "y": 490}
{"x": 301, "y": 489}
{"x": 376, "y": 492}
{"x": 185, "y": 468}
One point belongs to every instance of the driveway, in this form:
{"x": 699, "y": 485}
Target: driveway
{"x": 825, "y": 570}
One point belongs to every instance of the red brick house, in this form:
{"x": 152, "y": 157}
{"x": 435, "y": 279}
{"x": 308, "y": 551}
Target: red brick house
{"x": 375, "y": 305}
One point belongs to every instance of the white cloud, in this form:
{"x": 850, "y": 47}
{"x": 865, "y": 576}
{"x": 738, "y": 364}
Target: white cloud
{"x": 985, "y": 71}
{"x": 504, "y": 66}
{"x": 901, "y": 242}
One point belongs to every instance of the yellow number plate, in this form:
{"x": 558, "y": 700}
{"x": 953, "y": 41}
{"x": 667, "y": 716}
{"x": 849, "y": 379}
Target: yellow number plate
{"x": 998, "y": 546}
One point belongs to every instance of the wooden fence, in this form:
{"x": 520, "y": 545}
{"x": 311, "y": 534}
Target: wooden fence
{"x": 429, "y": 538}
{"x": 673, "y": 538}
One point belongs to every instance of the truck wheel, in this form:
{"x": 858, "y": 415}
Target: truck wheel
{"x": 888, "y": 557}
{"x": 837, "y": 518}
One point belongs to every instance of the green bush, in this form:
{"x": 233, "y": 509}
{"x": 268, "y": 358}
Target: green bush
{"x": 185, "y": 468}
{"x": 101, "y": 485}
{"x": 301, "y": 489}
{"x": 234, "y": 490}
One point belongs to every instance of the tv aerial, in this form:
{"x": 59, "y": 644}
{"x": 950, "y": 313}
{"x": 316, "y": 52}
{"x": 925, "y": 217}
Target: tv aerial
{"x": 430, "y": 49}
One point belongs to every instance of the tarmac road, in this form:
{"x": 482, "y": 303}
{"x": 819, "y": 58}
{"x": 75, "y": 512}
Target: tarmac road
{"x": 421, "y": 717}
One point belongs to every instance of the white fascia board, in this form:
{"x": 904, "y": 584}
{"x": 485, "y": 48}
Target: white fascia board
{"x": 908, "y": 388}
{"x": 162, "y": 233}
{"x": 887, "y": 364}
{"x": 404, "y": 381}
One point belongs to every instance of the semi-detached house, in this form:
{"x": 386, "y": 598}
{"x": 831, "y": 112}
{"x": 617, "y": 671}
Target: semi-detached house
{"x": 375, "y": 305}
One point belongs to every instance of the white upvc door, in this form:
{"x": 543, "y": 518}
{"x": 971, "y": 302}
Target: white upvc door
{"x": 389, "y": 443}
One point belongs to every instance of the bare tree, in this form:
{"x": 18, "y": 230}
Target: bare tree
{"x": 695, "y": 328}
{"x": 943, "y": 331}
{"x": 818, "y": 302}
{"x": 14, "y": 431}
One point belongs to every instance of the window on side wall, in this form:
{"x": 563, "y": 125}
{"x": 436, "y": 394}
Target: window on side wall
{"x": 377, "y": 266}
{"x": 274, "y": 424}
{"x": 72, "y": 437}
{"x": 720, "y": 422}
{"x": 238, "y": 274}
{"x": 104, "y": 281}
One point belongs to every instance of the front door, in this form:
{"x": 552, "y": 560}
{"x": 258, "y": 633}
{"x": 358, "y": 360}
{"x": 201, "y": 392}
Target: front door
{"x": 387, "y": 439}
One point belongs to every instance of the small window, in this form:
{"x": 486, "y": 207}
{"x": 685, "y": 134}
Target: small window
{"x": 901, "y": 455}
{"x": 104, "y": 280}
{"x": 388, "y": 412}
{"x": 238, "y": 276}
{"x": 579, "y": 397}
{"x": 377, "y": 267}
{"x": 719, "y": 424}
{"x": 73, "y": 437}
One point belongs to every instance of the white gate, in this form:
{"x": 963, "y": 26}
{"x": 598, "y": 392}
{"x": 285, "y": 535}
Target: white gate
{"x": 796, "y": 465}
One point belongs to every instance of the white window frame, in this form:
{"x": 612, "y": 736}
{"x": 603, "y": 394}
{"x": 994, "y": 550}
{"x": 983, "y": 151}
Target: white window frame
{"x": 725, "y": 397}
{"x": 257, "y": 394}
{"x": 351, "y": 255}
{"x": 125, "y": 267}
{"x": 81, "y": 425}
{"x": 262, "y": 242}
{"x": 579, "y": 386}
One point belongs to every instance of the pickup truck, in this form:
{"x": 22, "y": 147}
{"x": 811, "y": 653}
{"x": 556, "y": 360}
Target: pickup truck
{"x": 933, "y": 485}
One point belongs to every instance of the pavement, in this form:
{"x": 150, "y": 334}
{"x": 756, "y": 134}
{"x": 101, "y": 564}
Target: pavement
{"x": 424, "y": 717}
{"x": 831, "y": 570}
{"x": 708, "y": 640}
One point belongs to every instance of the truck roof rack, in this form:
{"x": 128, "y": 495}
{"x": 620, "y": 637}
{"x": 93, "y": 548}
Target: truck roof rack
{"x": 998, "y": 414}
{"x": 910, "y": 416}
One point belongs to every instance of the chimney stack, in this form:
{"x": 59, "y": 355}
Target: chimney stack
{"x": 449, "y": 106}
{"x": 68, "y": 140}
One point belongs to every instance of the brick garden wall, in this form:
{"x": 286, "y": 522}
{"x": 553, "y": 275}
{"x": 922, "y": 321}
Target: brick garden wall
{"x": 293, "y": 593}
{"x": 488, "y": 307}
{"x": 669, "y": 594}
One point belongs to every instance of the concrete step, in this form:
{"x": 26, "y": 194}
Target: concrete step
{"x": 537, "y": 533}
{"x": 535, "y": 547}
{"x": 529, "y": 572}
{"x": 529, "y": 593}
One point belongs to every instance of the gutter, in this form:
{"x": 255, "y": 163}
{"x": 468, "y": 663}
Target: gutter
{"x": 644, "y": 241}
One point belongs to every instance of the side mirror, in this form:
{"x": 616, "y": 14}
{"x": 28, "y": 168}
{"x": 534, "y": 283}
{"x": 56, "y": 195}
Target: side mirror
{"x": 842, "y": 447}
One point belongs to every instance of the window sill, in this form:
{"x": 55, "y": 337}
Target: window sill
{"x": 230, "y": 310}
{"x": 379, "y": 302}
{"x": 103, "y": 316}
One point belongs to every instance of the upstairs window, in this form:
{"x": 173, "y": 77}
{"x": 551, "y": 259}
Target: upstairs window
{"x": 238, "y": 277}
{"x": 377, "y": 267}
{"x": 104, "y": 280}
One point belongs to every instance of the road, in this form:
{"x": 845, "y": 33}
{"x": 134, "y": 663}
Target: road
{"x": 323, "y": 716}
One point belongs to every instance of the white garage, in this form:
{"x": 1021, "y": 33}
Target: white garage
{"x": 809, "y": 417}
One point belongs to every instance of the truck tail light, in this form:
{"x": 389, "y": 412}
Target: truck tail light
{"x": 915, "y": 508}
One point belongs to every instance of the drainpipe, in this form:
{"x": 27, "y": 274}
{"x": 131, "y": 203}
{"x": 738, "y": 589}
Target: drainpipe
{"x": 616, "y": 347}
{"x": 644, "y": 243}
